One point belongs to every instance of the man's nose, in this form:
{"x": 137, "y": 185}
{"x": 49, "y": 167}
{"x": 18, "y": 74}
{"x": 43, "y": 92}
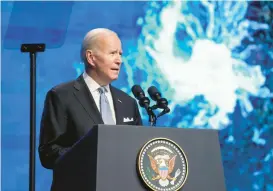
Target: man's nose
{"x": 118, "y": 59}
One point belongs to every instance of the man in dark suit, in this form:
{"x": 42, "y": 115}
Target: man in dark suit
{"x": 72, "y": 108}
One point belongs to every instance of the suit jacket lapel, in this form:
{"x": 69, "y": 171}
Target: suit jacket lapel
{"x": 86, "y": 99}
{"x": 117, "y": 105}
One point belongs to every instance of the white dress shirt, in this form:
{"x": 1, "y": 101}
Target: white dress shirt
{"x": 93, "y": 87}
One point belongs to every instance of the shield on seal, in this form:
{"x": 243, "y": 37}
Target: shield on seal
{"x": 163, "y": 172}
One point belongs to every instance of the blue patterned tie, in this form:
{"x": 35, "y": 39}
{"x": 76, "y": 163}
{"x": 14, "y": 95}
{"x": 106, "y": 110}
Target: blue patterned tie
{"x": 105, "y": 109}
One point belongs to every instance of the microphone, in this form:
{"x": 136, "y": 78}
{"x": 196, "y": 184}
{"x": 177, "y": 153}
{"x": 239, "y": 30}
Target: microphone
{"x": 144, "y": 102}
{"x": 161, "y": 103}
{"x": 140, "y": 95}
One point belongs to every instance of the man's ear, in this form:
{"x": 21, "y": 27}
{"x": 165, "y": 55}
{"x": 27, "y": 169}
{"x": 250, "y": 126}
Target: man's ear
{"x": 90, "y": 57}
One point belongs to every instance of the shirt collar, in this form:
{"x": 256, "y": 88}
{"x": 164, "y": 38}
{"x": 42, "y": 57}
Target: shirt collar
{"x": 92, "y": 84}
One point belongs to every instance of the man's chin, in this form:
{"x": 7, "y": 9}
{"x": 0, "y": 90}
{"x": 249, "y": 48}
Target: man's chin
{"x": 113, "y": 78}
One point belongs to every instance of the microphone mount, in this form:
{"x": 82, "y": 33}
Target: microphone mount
{"x": 152, "y": 117}
{"x": 144, "y": 101}
{"x": 163, "y": 112}
{"x": 161, "y": 102}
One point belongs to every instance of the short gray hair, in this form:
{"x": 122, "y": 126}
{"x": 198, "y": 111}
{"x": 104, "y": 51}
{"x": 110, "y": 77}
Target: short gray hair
{"x": 89, "y": 41}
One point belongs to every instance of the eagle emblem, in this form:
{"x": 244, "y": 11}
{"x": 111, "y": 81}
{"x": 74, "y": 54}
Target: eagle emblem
{"x": 163, "y": 165}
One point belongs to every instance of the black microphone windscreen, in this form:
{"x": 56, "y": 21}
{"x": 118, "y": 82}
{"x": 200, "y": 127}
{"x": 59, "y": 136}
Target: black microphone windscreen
{"x": 153, "y": 91}
{"x": 137, "y": 90}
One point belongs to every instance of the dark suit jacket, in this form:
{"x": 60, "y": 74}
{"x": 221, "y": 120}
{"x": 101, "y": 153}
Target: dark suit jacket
{"x": 70, "y": 112}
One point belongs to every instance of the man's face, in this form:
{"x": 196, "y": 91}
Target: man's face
{"x": 106, "y": 59}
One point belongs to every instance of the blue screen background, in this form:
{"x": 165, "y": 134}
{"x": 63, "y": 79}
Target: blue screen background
{"x": 211, "y": 60}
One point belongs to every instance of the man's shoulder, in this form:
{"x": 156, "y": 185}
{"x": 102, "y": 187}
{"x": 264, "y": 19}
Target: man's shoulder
{"x": 63, "y": 87}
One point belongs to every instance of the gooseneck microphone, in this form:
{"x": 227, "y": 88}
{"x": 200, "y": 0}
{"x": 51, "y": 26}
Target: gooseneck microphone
{"x": 144, "y": 102}
{"x": 140, "y": 95}
{"x": 161, "y": 103}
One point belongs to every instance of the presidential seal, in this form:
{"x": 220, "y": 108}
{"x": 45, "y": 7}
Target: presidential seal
{"x": 162, "y": 165}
